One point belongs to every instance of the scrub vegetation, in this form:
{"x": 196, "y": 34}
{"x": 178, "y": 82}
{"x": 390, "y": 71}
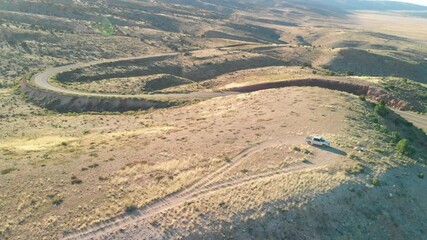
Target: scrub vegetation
{"x": 222, "y": 158}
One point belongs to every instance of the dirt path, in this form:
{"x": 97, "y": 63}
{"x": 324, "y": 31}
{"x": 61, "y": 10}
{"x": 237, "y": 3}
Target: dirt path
{"x": 209, "y": 185}
{"x": 418, "y": 120}
{"x": 41, "y": 80}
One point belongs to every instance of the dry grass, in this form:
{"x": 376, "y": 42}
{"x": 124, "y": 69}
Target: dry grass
{"x": 248, "y": 201}
{"x": 144, "y": 156}
{"x": 253, "y": 200}
{"x": 37, "y": 144}
{"x": 66, "y": 171}
{"x": 259, "y": 75}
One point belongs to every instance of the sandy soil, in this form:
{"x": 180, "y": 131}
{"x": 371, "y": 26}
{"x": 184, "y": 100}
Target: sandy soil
{"x": 229, "y": 167}
{"x": 143, "y": 157}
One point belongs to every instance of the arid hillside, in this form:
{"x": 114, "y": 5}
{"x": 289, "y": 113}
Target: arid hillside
{"x": 187, "y": 119}
{"x": 38, "y": 34}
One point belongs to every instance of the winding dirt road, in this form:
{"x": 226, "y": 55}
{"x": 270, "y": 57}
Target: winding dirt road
{"x": 41, "y": 80}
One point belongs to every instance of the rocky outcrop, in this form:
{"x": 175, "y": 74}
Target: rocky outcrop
{"x": 373, "y": 93}
{"x": 378, "y": 94}
{"x": 329, "y": 84}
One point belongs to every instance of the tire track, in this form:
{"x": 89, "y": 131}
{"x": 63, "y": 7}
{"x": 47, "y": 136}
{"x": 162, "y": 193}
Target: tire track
{"x": 169, "y": 202}
{"x": 205, "y": 186}
{"x": 235, "y": 161}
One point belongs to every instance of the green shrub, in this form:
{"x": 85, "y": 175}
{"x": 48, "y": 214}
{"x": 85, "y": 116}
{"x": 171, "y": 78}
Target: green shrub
{"x": 296, "y": 148}
{"x": 130, "y": 208}
{"x": 404, "y": 148}
{"x": 93, "y": 165}
{"x": 57, "y": 202}
{"x": 375, "y": 181}
{"x": 383, "y": 129}
{"x": 306, "y": 151}
{"x": 353, "y": 156}
{"x": 395, "y": 138}
{"x": 362, "y": 98}
{"x": 373, "y": 119}
{"x": 355, "y": 169}
{"x": 7, "y": 171}
{"x": 105, "y": 27}
{"x": 100, "y": 178}
{"x": 381, "y": 109}
{"x": 307, "y": 65}
{"x": 306, "y": 161}
{"x": 421, "y": 175}
{"x": 75, "y": 180}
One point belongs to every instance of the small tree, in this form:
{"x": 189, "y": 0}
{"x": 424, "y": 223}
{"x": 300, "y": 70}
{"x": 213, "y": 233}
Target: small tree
{"x": 404, "y": 148}
{"x": 130, "y": 208}
{"x": 375, "y": 181}
{"x": 395, "y": 138}
{"x": 381, "y": 109}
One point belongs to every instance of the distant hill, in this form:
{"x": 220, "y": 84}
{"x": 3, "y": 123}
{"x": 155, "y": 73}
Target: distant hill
{"x": 366, "y": 5}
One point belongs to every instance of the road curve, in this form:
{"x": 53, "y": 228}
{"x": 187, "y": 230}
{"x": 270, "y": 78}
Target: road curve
{"x": 41, "y": 80}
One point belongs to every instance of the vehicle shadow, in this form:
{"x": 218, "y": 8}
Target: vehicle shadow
{"x": 332, "y": 150}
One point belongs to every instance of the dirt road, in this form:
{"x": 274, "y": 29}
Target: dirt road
{"x": 418, "y": 120}
{"x": 41, "y": 80}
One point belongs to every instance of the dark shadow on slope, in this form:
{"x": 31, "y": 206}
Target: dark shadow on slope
{"x": 264, "y": 34}
{"x": 362, "y": 62}
{"x": 332, "y": 150}
{"x": 406, "y": 130}
{"x": 387, "y": 36}
{"x": 273, "y": 21}
{"x": 224, "y": 35}
{"x": 395, "y": 209}
{"x": 155, "y": 65}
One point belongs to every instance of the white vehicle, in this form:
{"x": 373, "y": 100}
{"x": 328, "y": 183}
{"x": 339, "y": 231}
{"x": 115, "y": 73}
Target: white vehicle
{"x": 319, "y": 141}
